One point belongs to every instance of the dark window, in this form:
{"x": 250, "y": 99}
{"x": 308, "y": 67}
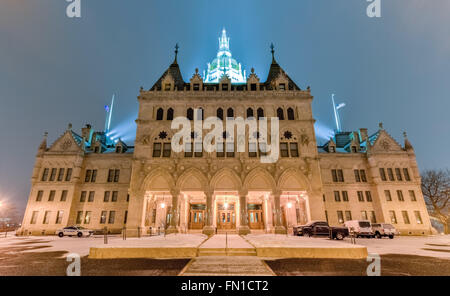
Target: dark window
{"x": 344, "y": 195}
{"x": 112, "y": 216}
{"x": 337, "y": 196}
{"x": 198, "y": 149}
{"x": 196, "y": 86}
{"x": 91, "y": 196}
{"x": 334, "y": 175}
{"x": 51, "y": 195}
{"x": 294, "y": 149}
{"x": 87, "y": 217}
{"x": 398, "y": 173}
{"x": 357, "y": 176}
{"x": 45, "y": 174}
{"x": 405, "y": 217}
{"x": 412, "y": 195}
{"x": 354, "y": 149}
{"x": 290, "y": 113}
{"x": 63, "y": 195}
{"x": 280, "y": 114}
{"x": 46, "y": 217}
{"x": 160, "y": 114}
{"x": 348, "y": 215}
{"x": 373, "y": 218}
{"x": 167, "y": 149}
{"x": 220, "y": 113}
{"x": 383, "y": 174}
{"x": 61, "y": 174}
{"x": 87, "y": 177}
{"x": 156, "y": 149}
{"x": 253, "y": 86}
{"x": 230, "y": 149}
{"x": 249, "y": 112}
{"x": 390, "y": 174}
{"x": 83, "y": 196}
{"x": 59, "y": 217}
{"x": 106, "y": 196}
{"x": 360, "y": 196}
{"x": 220, "y": 149}
{"x": 252, "y": 149}
{"x": 118, "y": 149}
{"x": 190, "y": 114}
{"x": 94, "y": 176}
{"x": 39, "y": 195}
{"x": 53, "y": 175}
{"x": 406, "y": 173}
{"x": 170, "y": 114}
{"x": 34, "y": 217}
{"x": 260, "y": 113}
{"x": 79, "y": 217}
{"x": 69, "y": 174}
{"x": 128, "y": 197}
{"x": 225, "y": 86}
{"x": 368, "y": 196}
{"x": 111, "y": 175}
{"x": 284, "y": 150}
{"x": 167, "y": 86}
{"x": 116, "y": 175}
{"x": 363, "y": 175}
{"x": 188, "y": 150}
{"x": 115, "y": 194}
{"x": 200, "y": 113}
{"x": 282, "y": 86}
{"x": 340, "y": 174}
{"x": 400, "y": 195}
{"x": 332, "y": 149}
{"x": 125, "y": 217}
{"x": 230, "y": 112}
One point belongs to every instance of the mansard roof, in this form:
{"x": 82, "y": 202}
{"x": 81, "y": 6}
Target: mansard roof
{"x": 274, "y": 71}
{"x": 174, "y": 71}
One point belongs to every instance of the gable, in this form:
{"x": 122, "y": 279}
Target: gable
{"x": 385, "y": 143}
{"x": 65, "y": 144}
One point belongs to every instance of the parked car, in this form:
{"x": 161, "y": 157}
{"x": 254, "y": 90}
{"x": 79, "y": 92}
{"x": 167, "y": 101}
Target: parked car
{"x": 383, "y": 229}
{"x": 74, "y": 231}
{"x": 321, "y": 228}
{"x": 361, "y": 228}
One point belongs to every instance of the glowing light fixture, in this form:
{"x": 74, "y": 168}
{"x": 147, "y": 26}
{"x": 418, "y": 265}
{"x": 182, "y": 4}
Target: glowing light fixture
{"x": 163, "y": 205}
{"x": 289, "y": 205}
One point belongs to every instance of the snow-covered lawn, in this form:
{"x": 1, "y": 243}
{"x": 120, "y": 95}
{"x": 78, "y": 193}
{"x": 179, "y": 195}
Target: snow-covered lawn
{"x": 410, "y": 245}
{"x": 81, "y": 246}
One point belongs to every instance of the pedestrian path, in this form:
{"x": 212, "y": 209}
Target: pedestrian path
{"x": 226, "y": 245}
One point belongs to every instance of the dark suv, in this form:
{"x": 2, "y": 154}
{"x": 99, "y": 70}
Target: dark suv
{"x": 321, "y": 228}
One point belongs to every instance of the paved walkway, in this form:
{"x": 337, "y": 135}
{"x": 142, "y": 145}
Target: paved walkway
{"x": 226, "y": 241}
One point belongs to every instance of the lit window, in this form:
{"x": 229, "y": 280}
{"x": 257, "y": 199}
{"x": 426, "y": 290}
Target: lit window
{"x": 284, "y": 150}
{"x": 294, "y": 149}
{"x": 388, "y": 196}
{"x": 167, "y": 150}
{"x": 418, "y": 217}
{"x": 112, "y": 216}
{"x": 348, "y": 215}
{"x": 340, "y": 216}
{"x": 364, "y": 215}
{"x": 393, "y": 217}
{"x": 59, "y": 217}
{"x": 87, "y": 217}
{"x": 46, "y": 217}
{"x": 156, "y": 150}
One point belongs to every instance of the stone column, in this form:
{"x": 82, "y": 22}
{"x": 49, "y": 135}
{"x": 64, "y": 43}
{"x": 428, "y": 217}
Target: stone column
{"x": 279, "y": 228}
{"x": 208, "y": 229}
{"x": 173, "y": 227}
{"x": 243, "y": 228}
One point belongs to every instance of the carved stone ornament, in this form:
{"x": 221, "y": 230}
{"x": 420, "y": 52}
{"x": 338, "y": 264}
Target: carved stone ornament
{"x": 385, "y": 144}
{"x": 66, "y": 144}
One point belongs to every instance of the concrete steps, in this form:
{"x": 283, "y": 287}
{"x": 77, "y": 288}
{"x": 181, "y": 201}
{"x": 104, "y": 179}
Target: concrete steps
{"x": 226, "y": 252}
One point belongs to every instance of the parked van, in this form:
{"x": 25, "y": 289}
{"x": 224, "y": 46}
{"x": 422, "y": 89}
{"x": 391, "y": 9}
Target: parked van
{"x": 361, "y": 228}
{"x": 384, "y": 229}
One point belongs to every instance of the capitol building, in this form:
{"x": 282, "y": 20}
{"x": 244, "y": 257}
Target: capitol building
{"x": 87, "y": 178}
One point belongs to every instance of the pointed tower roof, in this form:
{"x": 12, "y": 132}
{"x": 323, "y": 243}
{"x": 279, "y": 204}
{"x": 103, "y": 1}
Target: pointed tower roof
{"x": 274, "y": 72}
{"x": 174, "y": 71}
{"x": 407, "y": 145}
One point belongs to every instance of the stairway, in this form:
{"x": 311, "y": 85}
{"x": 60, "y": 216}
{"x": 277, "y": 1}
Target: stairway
{"x": 226, "y": 252}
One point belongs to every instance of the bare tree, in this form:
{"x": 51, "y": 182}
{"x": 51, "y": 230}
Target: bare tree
{"x": 436, "y": 191}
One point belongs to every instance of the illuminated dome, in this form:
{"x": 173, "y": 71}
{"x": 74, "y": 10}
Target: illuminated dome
{"x": 224, "y": 64}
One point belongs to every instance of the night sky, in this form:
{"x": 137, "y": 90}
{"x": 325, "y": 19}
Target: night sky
{"x": 55, "y": 70}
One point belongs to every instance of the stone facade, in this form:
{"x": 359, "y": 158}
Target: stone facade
{"x": 94, "y": 182}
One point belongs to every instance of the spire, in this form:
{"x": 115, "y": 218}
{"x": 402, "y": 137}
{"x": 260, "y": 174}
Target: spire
{"x": 224, "y": 41}
{"x": 176, "y": 53}
{"x": 407, "y": 145}
{"x": 381, "y": 126}
{"x": 272, "y": 50}
{"x": 43, "y": 145}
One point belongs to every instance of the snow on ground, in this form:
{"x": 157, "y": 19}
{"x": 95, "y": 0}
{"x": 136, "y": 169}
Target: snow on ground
{"x": 280, "y": 240}
{"x": 82, "y": 245}
{"x": 411, "y": 245}
{"x": 222, "y": 241}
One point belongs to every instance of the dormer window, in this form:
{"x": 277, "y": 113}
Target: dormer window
{"x": 253, "y": 87}
{"x": 118, "y": 149}
{"x": 196, "y": 86}
{"x": 332, "y": 149}
{"x": 224, "y": 86}
{"x": 354, "y": 149}
{"x": 167, "y": 86}
{"x": 282, "y": 86}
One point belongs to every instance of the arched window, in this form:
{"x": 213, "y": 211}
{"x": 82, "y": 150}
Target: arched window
{"x": 250, "y": 112}
{"x": 159, "y": 114}
{"x": 220, "y": 113}
{"x": 190, "y": 114}
{"x": 170, "y": 114}
{"x": 280, "y": 114}
{"x": 260, "y": 113}
{"x": 290, "y": 113}
{"x": 230, "y": 112}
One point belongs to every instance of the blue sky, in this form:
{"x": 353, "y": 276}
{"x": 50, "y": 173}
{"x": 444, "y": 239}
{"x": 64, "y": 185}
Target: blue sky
{"x": 55, "y": 70}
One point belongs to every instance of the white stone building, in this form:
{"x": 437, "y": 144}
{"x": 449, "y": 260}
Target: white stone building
{"x": 86, "y": 179}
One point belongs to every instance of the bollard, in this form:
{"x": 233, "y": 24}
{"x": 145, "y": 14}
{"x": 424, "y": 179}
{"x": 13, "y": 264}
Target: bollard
{"x": 150, "y": 231}
{"x": 139, "y": 231}
{"x": 105, "y": 235}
